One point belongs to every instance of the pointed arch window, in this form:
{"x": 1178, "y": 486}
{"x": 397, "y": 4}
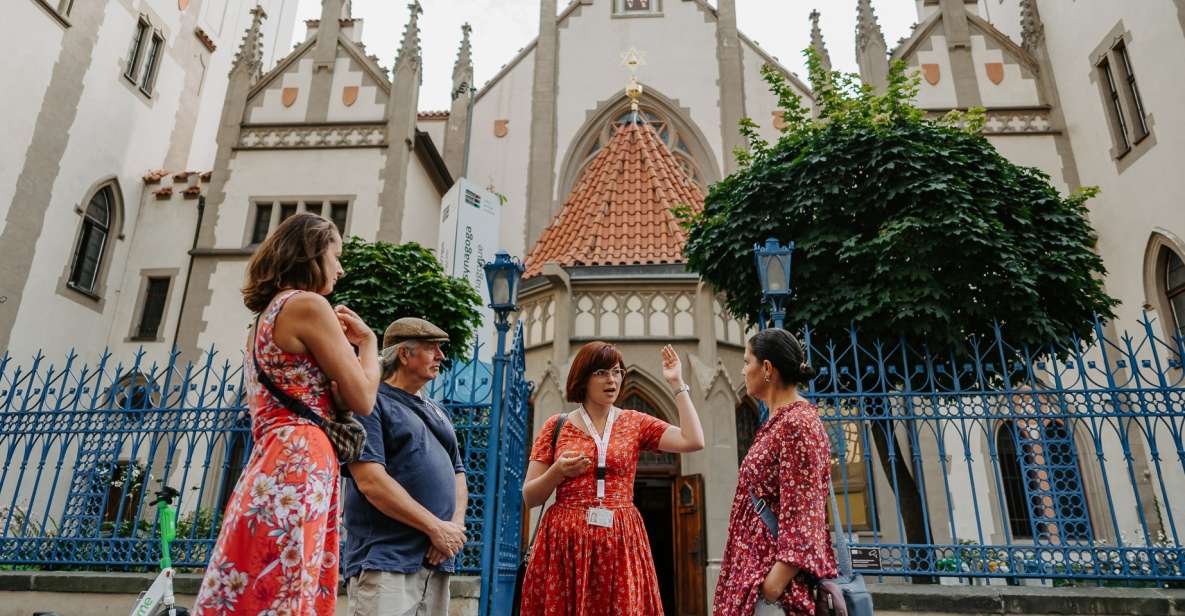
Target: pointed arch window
{"x": 1174, "y": 278}
{"x": 1020, "y": 521}
{"x": 96, "y": 228}
{"x": 675, "y": 140}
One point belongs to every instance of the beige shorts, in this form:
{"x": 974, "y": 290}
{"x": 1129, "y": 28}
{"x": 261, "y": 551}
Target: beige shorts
{"x": 381, "y": 593}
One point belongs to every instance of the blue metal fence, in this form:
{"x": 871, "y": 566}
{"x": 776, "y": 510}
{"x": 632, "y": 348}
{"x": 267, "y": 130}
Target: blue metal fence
{"x": 83, "y": 445}
{"x": 1065, "y": 462}
{"x": 1055, "y": 463}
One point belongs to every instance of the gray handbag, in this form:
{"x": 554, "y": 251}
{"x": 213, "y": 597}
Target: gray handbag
{"x": 845, "y": 595}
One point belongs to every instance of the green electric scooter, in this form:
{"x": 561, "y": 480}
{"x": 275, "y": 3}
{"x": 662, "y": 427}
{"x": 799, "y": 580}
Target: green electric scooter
{"x": 158, "y": 599}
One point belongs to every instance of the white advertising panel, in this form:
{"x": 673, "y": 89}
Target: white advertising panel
{"x": 469, "y": 218}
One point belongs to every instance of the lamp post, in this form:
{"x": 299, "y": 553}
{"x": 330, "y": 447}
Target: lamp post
{"x": 502, "y": 276}
{"x": 773, "y": 270}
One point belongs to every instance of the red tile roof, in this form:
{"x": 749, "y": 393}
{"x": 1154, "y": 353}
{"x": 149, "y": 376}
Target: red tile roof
{"x": 619, "y": 211}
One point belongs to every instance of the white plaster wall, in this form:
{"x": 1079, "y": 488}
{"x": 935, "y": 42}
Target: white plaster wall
{"x": 35, "y": 41}
{"x": 941, "y": 95}
{"x": 370, "y": 106}
{"x": 421, "y": 214}
{"x": 226, "y": 21}
{"x": 760, "y": 103}
{"x": 282, "y": 173}
{"x": 267, "y": 107}
{"x": 679, "y": 62}
{"x": 117, "y": 132}
{"x": 152, "y": 249}
{"x": 1038, "y": 151}
{"x": 1148, "y": 193}
{"x": 1015, "y": 90}
{"x": 501, "y": 163}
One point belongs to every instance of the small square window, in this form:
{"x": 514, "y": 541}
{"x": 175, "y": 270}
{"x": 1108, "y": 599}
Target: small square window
{"x": 155, "y": 294}
{"x": 263, "y": 222}
{"x": 286, "y": 211}
{"x": 338, "y": 212}
{"x": 637, "y": 6}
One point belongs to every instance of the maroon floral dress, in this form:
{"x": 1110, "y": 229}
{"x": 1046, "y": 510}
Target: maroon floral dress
{"x": 582, "y": 570}
{"x": 788, "y": 467}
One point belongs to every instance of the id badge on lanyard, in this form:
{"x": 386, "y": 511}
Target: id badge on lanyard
{"x": 600, "y": 516}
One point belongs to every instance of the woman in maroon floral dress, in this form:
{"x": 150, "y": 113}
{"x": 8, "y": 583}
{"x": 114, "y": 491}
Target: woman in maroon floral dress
{"x": 787, "y": 468}
{"x": 591, "y": 556}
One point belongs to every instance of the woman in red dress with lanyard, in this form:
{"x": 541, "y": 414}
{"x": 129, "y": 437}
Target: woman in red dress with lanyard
{"x": 787, "y": 468}
{"x": 591, "y": 556}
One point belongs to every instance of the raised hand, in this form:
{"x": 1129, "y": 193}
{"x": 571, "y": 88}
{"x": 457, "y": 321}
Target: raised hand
{"x": 573, "y": 463}
{"x": 672, "y": 367}
{"x": 355, "y": 329}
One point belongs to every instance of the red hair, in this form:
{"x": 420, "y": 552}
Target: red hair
{"x": 590, "y": 358}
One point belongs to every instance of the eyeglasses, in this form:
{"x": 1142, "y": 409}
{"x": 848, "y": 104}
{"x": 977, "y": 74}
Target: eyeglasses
{"x": 616, "y": 373}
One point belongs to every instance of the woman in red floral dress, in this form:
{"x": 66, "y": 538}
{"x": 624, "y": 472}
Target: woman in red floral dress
{"x": 591, "y": 556}
{"x": 788, "y": 467}
{"x": 277, "y": 551}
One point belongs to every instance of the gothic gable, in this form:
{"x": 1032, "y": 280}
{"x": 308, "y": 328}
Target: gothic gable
{"x": 358, "y": 91}
{"x": 1005, "y": 75}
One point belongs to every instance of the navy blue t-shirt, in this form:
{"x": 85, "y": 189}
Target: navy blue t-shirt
{"x": 404, "y": 433}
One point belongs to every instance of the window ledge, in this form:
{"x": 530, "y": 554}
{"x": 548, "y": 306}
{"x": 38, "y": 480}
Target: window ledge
{"x": 1141, "y": 139}
{"x": 77, "y": 289}
{"x": 61, "y": 19}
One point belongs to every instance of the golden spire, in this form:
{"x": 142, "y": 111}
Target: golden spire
{"x": 632, "y": 59}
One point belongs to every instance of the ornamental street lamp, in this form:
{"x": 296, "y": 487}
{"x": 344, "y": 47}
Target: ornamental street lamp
{"x": 502, "y": 276}
{"x": 773, "y": 270}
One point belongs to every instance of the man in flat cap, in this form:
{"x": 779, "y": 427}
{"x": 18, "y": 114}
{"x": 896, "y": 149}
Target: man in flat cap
{"x": 405, "y": 497}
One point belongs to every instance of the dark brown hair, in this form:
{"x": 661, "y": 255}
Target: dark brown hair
{"x": 590, "y": 358}
{"x": 290, "y": 258}
{"x": 785, "y": 353}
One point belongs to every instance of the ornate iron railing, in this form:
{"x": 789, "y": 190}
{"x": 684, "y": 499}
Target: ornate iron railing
{"x": 84, "y": 445}
{"x": 1060, "y": 462}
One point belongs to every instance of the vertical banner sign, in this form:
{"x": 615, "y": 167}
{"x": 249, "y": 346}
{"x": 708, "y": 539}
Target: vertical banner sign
{"x": 469, "y": 219}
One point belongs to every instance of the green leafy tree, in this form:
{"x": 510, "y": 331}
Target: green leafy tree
{"x": 909, "y": 229}
{"x": 384, "y": 282}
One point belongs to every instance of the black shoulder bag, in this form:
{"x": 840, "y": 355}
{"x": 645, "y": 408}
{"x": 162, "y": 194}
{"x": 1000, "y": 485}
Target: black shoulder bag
{"x": 522, "y": 565}
{"x": 344, "y": 431}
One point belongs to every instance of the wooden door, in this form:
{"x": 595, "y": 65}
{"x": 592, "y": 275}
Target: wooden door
{"x": 691, "y": 549}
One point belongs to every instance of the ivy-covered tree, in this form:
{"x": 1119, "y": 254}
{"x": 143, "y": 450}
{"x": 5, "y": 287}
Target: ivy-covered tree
{"x": 903, "y": 226}
{"x": 909, "y": 229}
{"x": 384, "y": 282}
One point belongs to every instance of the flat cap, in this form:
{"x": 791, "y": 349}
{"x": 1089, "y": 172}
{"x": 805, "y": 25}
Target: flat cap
{"x": 411, "y": 328}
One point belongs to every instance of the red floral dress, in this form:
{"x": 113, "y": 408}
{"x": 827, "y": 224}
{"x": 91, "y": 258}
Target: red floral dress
{"x": 581, "y": 570}
{"x": 788, "y": 467}
{"x": 277, "y": 550}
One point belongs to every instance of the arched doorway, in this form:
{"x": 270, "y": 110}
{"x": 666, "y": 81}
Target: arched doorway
{"x": 672, "y": 510}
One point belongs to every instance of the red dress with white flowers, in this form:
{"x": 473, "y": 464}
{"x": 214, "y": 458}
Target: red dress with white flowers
{"x": 788, "y": 467}
{"x": 581, "y": 570}
{"x": 277, "y": 550}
